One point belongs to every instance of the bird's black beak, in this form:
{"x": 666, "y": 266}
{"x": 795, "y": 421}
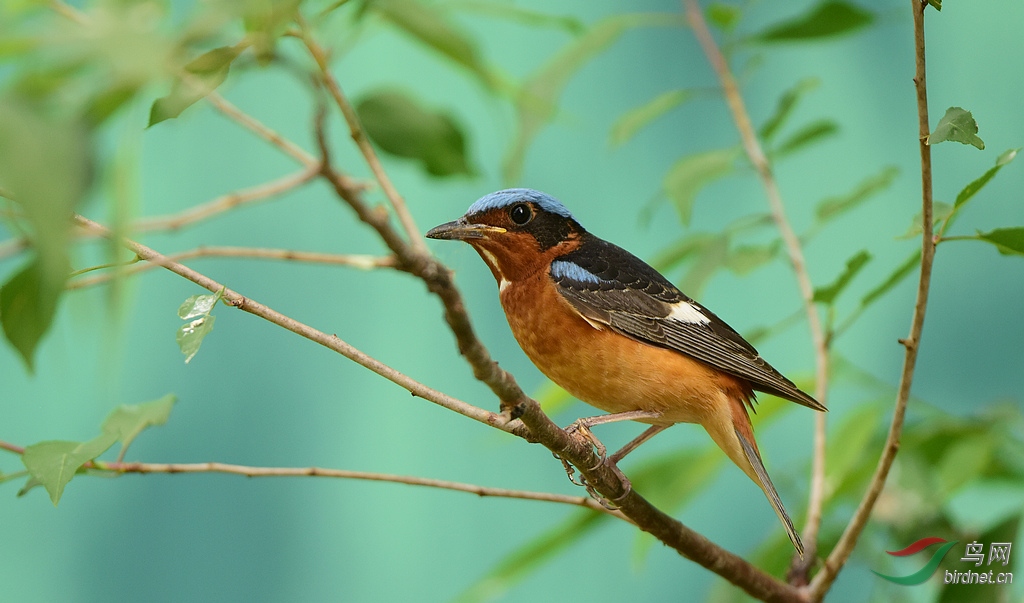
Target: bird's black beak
{"x": 460, "y": 230}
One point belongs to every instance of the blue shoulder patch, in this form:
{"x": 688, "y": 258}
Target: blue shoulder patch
{"x": 509, "y": 196}
{"x": 563, "y": 269}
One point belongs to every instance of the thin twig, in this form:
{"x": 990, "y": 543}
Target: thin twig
{"x": 332, "y": 342}
{"x": 361, "y": 139}
{"x": 796, "y": 258}
{"x": 227, "y": 202}
{"x": 839, "y": 555}
{"x": 213, "y": 467}
{"x": 364, "y": 262}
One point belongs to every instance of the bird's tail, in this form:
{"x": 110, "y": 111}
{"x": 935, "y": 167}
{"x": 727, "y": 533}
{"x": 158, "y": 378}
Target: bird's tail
{"x": 743, "y": 451}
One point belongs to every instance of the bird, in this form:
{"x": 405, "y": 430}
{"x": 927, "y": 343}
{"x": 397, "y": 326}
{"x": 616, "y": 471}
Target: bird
{"x": 612, "y": 331}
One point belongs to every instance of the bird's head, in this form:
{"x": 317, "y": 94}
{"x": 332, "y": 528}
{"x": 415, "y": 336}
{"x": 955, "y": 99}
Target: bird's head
{"x": 516, "y": 231}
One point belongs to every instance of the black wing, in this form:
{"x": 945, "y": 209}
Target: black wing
{"x": 608, "y": 285}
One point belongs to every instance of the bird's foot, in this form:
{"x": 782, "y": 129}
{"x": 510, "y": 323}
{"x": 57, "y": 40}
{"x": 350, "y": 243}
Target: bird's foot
{"x": 580, "y": 429}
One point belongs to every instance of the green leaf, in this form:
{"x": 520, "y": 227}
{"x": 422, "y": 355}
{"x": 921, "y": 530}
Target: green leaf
{"x": 690, "y": 174}
{"x": 896, "y": 277}
{"x": 784, "y": 108}
{"x": 831, "y": 207}
{"x": 807, "y": 135}
{"x": 45, "y": 166}
{"x": 519, "y": 14}
{"x": 401, "y": 127}
{"x": 552, "y": 398}
{"x": 940, "y": 211}
{"x": 820, "y": 21}
{"x": 1009, "y": 241}
{"x": 539, "y": 94}
{"x": 972, "y": 189}
{"x": 744, "y": 259}
{"x": 425, "y": 23}
{"x": 724, "y": 16}
{"x": 190, "y": 335}
{"x": 28, "y": 303}
{"x": 711, "y": 259}
{"x": 54, "y": 463}
{"x": 848, "y": 441}
{"x": 530, "y": 557}
{"x": 635, "y": 119}
{"x": 127, "y": 421}
{"x": 984, "y": 503}
{"x": 198, "y": 305}
{"x": 265, "y": 22}
{"x": 827, "y": 295}
{"x": 936, "y": 4}
{"x": 962, "y": 461}
{"x": 957, "y": 125}
{"x": 208, "y": 71}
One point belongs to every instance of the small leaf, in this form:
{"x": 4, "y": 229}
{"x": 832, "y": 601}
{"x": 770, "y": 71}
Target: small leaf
{"x": 54, "y": 463}
{"x": 265, "y": 22}
{"x": 208, "y": 71}
{"x": 127, "y": 421}
{"x": 689, "y": 175}
{"x": 711, "y": 259}
{"x": 936, "y": 4}
{"x": 784, "y": 108}
{"x": 744, "y": 259}
{"x": 940, "y": 211}
{"x": 401, "y": 127}
{"x": 424, "y": 22}
{"x": 539, "y": 94}
{"x": 895, "y": 278}
{"x": 809, "y": 134}
{"x": 724, "y": 16}
{"x": 984, "y": 503}
{"x": 1009, "y": 241}
{"x": 830, "y": 18}
{"x": 972, "y": 189}
{"x": 827, "y": 295}
{"x": 635, "y": 119}
{"x": 833, "y": 206}
{"x": 28, "y": 303}
{"x": 190, "y": 335}
{"x": 526, "y": 16}
{"x": 957, "y": 125}
{"x": 198, "y": 305}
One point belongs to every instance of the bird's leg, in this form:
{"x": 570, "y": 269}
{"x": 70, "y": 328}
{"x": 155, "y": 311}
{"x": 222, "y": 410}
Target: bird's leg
{"x": 649, "y": 433}
{"x": 582, "y": 426}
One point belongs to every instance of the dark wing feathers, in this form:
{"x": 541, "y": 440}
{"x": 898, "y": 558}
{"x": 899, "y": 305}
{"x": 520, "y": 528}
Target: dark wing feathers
{"x": 609, "y": 285}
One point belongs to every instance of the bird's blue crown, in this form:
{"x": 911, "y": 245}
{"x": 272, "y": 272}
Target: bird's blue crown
{"x": 509, "y": 196}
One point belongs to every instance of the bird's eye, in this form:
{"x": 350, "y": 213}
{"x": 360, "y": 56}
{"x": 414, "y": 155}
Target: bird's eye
{"x": 520, "y": 213}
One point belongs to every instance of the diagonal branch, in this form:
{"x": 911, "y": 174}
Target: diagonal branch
{"x": 362, "y": 141}
{"x": 823, "y": 581}
{"x": 796, "y": 258}
{"x": 228, "y": 202}
{"x": 332, "y": 342}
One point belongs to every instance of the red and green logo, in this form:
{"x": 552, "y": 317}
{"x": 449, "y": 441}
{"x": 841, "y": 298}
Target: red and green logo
{"x": 929, "y": 568}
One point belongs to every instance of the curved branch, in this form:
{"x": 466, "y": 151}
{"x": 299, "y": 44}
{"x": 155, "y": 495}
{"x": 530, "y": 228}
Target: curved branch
{"x": 823, "y": 581}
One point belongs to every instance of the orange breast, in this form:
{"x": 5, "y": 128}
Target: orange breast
{"x": 605, "y": 369}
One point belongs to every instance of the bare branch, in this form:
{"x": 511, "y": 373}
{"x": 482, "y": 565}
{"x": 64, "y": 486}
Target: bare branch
{"x": 796, "y": 258}
{"x": 227, "y": 202}
{"x": 363, "y": 262}
{"x": 332, "y": 342}
{"x": 362, "y": 141}
{"x": 837, "y": 559}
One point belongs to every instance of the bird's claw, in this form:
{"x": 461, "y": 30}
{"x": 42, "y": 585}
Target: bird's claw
{"x": 581, "y": 430}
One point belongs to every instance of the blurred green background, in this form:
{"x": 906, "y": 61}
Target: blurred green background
{"x": 258, "y": 395}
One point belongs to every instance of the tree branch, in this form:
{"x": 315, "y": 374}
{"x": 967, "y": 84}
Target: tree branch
{"x": 796, "y": 257}
{"x": 837, "y": 559}
{"x": 332, "y": 342}
{"x": 227, "y": 202}
{"x": 361, "y": 140}
{"x": 364, "y": 262}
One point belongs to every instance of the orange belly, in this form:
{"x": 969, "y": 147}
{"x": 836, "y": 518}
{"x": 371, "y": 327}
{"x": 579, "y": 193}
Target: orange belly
{"x": 605, "y": 369}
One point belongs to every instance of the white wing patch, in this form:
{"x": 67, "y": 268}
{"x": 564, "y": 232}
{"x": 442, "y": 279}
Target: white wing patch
{"x": 684, "y": 311}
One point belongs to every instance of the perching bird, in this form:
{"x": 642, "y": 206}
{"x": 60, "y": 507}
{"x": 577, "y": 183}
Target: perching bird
{"x": 616, "y": 334}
